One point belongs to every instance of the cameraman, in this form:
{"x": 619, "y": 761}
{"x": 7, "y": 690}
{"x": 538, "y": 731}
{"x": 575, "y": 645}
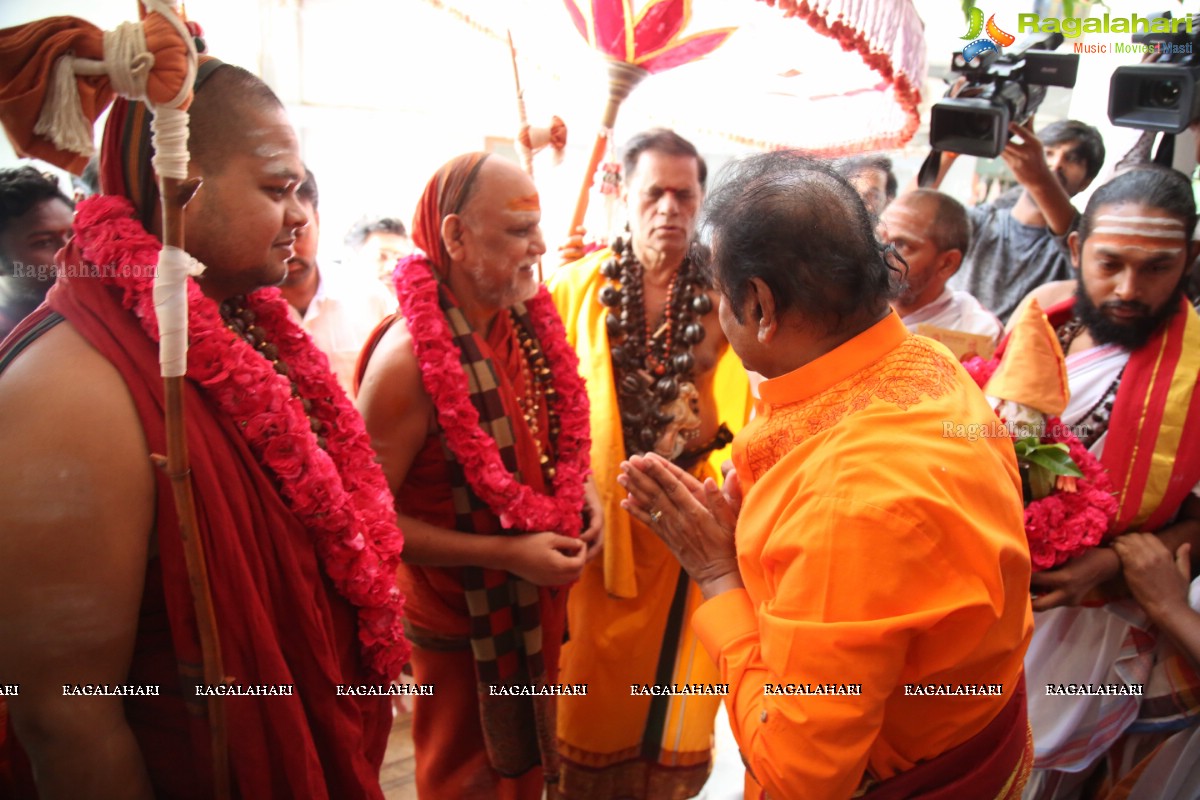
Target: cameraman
{"x": 1019, "y": 246}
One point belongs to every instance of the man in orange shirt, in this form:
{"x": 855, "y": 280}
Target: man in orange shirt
{"x": 871, "y": 613}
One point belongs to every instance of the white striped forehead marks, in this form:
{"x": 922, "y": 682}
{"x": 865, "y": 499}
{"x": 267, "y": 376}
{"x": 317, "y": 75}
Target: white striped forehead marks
{"x": 1155, "y": 235}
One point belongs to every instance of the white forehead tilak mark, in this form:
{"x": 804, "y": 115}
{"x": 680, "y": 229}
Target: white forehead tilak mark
{"x": 279, "y": 168}
{"x": 1165, "y": 222}
{"x": 1166, "y": 249}
{"x": 1152, "y": 227}
{"x": 270, "y": 150}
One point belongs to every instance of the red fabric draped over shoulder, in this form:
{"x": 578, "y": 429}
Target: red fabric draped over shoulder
{"x": 281, "y": 621}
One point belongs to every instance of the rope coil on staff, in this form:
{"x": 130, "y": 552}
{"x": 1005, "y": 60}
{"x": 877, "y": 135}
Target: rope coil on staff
{"x": 127, "y": 63}
{"x": 530, "y": 140}
{"x": 154, "y": 61}
{"x": 170, "y": 306}
{"x": 130, "y": 61}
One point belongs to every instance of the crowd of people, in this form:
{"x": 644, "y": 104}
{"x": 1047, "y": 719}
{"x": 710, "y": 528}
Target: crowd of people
{"x": 706, "y": 464}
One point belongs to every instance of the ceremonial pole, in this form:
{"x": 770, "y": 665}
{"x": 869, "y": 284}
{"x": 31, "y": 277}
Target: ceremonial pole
{"x": 652, "y": 42}
{"x": 170, "y": 135}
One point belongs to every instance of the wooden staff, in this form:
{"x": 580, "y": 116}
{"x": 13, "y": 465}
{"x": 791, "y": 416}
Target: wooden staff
{"x": 622, "y": 78}
{"x": 175, "y": 196}
{"x": 525, "y": 147}
{"x": 524, "y": 140}
{"x": 175, "y": 192}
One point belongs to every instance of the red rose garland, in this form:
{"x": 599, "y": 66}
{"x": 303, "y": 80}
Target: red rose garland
{"x": 980, "y": 371}
{"x": 518, "y": 506}
{"x": 340, "y": 493}
{"x": 1062, "y": 525}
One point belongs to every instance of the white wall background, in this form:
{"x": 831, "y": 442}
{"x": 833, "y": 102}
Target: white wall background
{"x": 381, "y": 93}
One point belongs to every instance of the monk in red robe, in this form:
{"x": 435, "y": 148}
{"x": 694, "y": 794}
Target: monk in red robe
{"x": 474, "y": 403}
{"x": 871, "y": 613}
{"x": 99, "y": 629}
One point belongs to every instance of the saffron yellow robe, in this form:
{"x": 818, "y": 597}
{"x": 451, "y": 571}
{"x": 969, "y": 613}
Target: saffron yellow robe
{"x": 628, "y": 616}
{"x": 877, "y": 551}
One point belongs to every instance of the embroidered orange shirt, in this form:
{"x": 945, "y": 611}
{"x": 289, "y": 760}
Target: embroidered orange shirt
{"x": 886, "y": 610}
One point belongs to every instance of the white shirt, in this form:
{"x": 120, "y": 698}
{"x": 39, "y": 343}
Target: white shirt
{"x": 956, "y": 311}
{"x": 342, "y": 314}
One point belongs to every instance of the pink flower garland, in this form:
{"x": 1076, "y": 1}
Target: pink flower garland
{"x": 340, "y": 493}
{"x": 1062, "y": 525}
{"x": 980, "y": 371}
{"x": 518, "y": 506}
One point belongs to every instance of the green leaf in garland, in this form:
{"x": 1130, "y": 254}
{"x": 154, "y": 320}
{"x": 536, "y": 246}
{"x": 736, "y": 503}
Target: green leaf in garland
{"x": 1057, "y": 462}
{"x": 1054, "y": 458}
{"x": 1041, "y": 481}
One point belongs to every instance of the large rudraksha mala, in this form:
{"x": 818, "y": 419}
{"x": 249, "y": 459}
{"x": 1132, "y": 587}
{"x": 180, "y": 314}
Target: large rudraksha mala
{"x": 654, "y": 371}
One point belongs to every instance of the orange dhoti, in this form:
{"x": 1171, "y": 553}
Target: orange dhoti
{"x": 620, "y": 740}
{"x": 629, "y": 619}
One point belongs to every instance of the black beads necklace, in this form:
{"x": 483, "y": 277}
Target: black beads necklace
{"x": 1094, "y": 423}
{"x": 1068, "y": 332}
{"x": 241, "y": 321}
{"x": 651, "y": 368}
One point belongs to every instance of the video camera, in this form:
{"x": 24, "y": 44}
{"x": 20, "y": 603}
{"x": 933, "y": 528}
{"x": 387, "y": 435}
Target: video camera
{"x": 1162, "y": 96}
{"x": 1000, "y": 89}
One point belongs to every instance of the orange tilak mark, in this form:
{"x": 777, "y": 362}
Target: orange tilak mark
{"x": 527, "y": 203}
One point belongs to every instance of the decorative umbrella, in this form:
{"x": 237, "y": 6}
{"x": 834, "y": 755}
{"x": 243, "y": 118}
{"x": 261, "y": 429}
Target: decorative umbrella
{"x": 635, "y": 46}
{"x": 827, "y": 77}
{"x": 153, "y": 61}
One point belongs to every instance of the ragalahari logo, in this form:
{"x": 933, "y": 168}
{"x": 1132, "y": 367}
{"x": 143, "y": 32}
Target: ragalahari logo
{"x": 996, "y": 38}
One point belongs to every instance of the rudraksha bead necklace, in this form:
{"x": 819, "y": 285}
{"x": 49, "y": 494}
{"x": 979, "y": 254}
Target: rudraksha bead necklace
{"x": 649, "y": 366}
{"x": 538, "y": 387}
{"x": 1093, "y": 424}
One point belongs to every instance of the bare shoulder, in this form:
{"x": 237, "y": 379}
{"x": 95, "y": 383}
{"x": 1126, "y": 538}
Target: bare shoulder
{"x": 61, "y": 396}
{"x": 397, "y": 411}
{"x": 1048, "y": 294}
{"x": 76, "y": 509}
{"x": 1054, "y": 292}
{"x": 393, "y": 372}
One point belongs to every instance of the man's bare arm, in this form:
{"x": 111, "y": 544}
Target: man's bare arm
{"x": 1026, "y": 158}
{"x": 1185, "y": 530}
{"x": 1069, "y": 584}
{"x": 1159, "y": 581}
{"x": 76, "y": 509}
{"x": 399, "y": 416}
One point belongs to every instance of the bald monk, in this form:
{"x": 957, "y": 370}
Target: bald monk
{"x": 475, "y": 406}
{"x": 660, "y": 378}
{"x": 869, "y": 611}
{"x": 293, "y": 513}
{"x": 931, "y": 231}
